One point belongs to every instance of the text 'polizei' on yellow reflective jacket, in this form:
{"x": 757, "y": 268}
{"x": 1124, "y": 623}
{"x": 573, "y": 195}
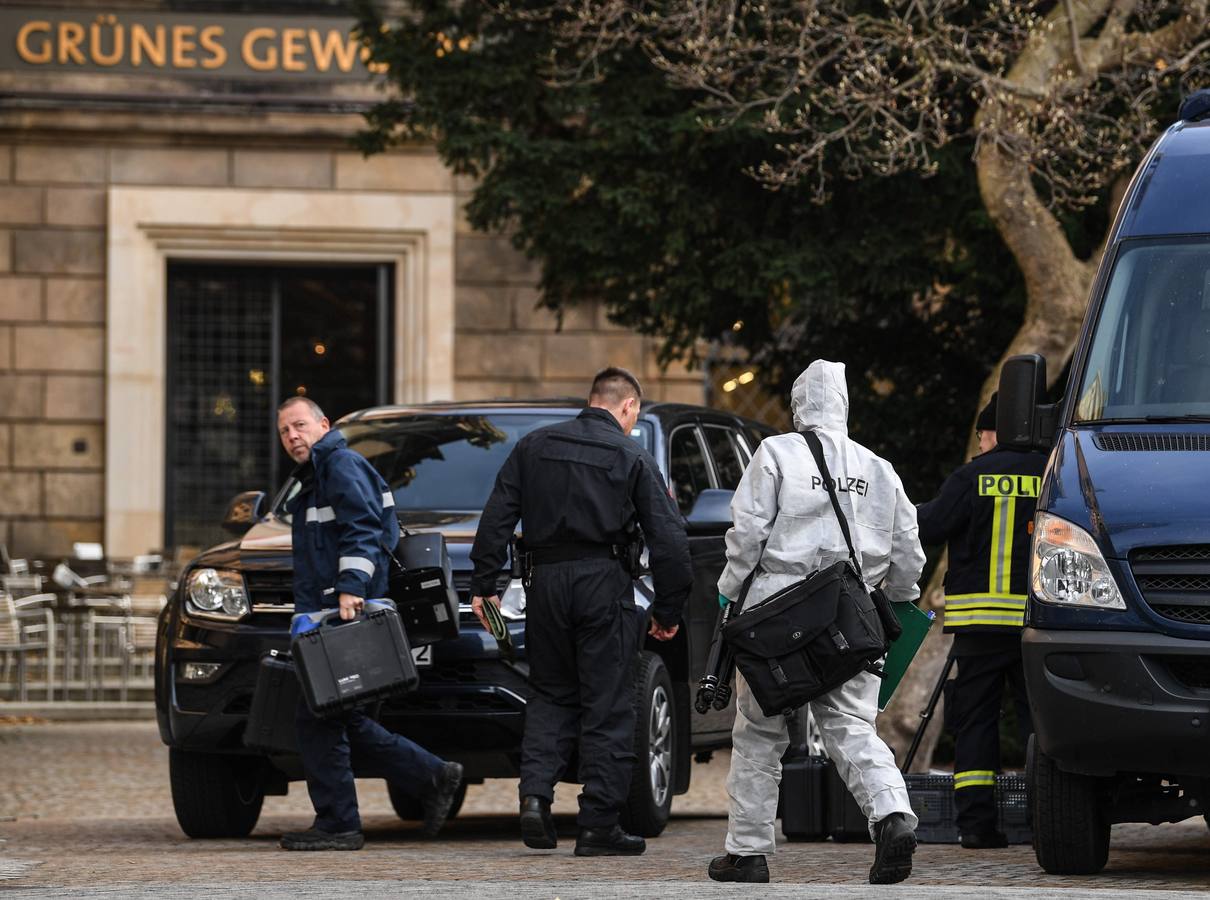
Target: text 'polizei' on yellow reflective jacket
{"x": 984, "y": 512}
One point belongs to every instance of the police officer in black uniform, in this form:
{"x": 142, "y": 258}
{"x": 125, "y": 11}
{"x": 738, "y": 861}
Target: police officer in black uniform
{"x": 984, "y": 511}
{"x": 579, "y": 487}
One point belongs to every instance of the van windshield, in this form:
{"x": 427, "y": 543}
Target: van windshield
{"x": 1150, "y": 353}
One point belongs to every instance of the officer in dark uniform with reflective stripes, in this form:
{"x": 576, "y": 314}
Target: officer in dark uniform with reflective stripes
{"x": 579, "y": 487}
{"x": 984, "y": 512}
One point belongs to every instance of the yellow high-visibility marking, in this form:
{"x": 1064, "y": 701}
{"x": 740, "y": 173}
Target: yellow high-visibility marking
{"x": 974, "y": 778}
{"x": 1009, "y": 485}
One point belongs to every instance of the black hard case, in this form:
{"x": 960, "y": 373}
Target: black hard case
{"x": 421, "y": 583}
{"x": 274, "y": 704}
{"x": 846, "y": 822}
{"x": 803, "y": 814}
{"x": 343, "y": 666}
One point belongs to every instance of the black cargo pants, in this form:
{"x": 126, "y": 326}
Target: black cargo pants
{"x": 974, "y": 715}
{"x": 582, "y": 633}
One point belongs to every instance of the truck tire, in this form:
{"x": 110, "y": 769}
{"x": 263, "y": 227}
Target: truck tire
{"x": 1071, "y": 835}
{"x": 655, "y": 739}
{"x": 216, "y": 795}
{"x": 410, "y": 809}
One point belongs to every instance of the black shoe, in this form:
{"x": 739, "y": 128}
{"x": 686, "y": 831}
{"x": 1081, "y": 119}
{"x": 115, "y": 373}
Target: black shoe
{"x": 750, "y": 869}
{"x": 537, "y": 827}
{"x": 440, "y": 798}
{"x": 895, "y": 843}
{"x": 611, "y": 841}
{"x": 984, "y": 840}
{"x": 314, "y": 839}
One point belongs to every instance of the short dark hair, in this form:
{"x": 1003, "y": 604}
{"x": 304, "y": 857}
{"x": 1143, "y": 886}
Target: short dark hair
{"x": 311, "y": 405}
{"x": 613, "y": 385}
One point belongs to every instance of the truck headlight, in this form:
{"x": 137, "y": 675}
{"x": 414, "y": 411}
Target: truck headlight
{"x": 217, "y": 594}
{"x": 1067, "y": 568}
{"x": 512, "y": 601}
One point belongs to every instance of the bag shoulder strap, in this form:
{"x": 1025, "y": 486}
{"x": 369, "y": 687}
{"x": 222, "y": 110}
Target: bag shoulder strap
{"x": 816, "y": 446}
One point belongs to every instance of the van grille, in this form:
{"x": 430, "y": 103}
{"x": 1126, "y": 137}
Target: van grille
{"x": 1175, "y": 581}
{"x": 1150, "y": 442}
{"x": 1192, "y": 671}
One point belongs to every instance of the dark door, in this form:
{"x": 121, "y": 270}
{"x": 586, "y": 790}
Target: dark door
{"x": 241, "y": 338}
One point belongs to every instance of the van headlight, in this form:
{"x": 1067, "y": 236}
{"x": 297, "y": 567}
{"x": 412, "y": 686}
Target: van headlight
{"x": 1067, "y": 568}
{"x": 512, "y": 601}
{"x": 217, "y": 594}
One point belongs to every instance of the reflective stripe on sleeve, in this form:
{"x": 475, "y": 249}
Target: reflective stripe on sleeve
{"x": 357, "y": 563}
{"x": 321, "y": 514}
{"x": 974, "y": 778}
{"x": 388, "y": 499}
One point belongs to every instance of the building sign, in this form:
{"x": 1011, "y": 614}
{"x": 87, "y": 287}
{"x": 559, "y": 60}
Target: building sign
{"x": 179, "y": 44}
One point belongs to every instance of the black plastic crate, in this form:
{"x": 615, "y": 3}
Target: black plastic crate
{"x": 932, "y": 798}
{"x": 347, "y": 665}
{"x": 1012, "y": 806}
{"x": 274, "y": 705}
{"x": 421, "y": 584}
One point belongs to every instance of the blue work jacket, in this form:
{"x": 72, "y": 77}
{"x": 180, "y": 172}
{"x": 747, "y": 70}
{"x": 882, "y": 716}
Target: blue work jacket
{"x": 343, "y": 521}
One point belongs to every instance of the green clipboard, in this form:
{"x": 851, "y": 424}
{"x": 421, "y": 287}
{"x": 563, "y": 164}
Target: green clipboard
{"x": 915, "y": 624}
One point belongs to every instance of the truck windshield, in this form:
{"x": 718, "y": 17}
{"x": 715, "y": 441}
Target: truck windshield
{"x": 444, "y": 462}
{"x": 1150, "y": 353}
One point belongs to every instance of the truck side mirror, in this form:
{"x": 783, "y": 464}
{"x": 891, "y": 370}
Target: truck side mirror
{"x": 1023, "y": 420}
{"x": 244, "y": 511}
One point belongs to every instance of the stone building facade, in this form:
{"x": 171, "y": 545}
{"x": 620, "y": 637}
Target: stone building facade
{"x": 109, "y": 179}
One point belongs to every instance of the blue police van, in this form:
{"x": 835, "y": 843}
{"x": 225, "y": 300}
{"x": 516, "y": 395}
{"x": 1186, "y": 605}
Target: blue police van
{"x": 1116, "y": 642}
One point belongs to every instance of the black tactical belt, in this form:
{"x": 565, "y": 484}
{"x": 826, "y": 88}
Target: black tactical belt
{"x": 545, "y": 556}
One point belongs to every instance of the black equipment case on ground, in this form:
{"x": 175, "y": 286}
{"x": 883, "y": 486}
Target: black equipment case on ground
{"x": 274, "y": 704}
{"x": 342, "y": 666}
{"x": 802, "y": 796}
{"x": 421, "y": 583}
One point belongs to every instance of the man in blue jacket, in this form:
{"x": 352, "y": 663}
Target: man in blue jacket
{"x": 343, "y": 519}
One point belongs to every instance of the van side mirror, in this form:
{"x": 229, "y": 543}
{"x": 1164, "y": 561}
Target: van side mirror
{"x": 1023, "y": 420}
{"x": 244, "y": 511}
{"x": 711, "y": 511}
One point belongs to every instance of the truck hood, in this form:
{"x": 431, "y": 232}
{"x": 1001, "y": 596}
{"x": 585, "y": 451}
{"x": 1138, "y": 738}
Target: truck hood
{"x": 1120, "y": 483}
{"x": 271, "y": 536}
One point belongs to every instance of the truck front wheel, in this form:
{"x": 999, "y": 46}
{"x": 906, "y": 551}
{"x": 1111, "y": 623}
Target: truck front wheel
{"x": 1071, "y": 834}
{"x": 216, "y": 795}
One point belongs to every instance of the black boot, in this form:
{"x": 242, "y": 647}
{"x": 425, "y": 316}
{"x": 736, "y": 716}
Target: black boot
{"x": 895, "y": 843}
{"x": 612, "y": 841}
{"x": 537, "y": 827}
{"x": 984, "y": 840}
{"x": 750, "y": 869}
{"x": 440, "y": 798}
{"x": 314, "y": 839}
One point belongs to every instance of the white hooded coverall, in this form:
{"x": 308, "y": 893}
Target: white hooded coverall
{"x": 782, "y": 503}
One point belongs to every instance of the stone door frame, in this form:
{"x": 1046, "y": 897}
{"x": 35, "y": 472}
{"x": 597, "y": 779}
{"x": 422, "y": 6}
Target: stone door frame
{"x": 150, "y": 226}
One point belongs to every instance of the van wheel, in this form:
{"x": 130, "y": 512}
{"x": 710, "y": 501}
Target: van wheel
{"x": 655, "y": 734}
{"x": 1071, "y": 835}
{"x": 410, "y": 809}
{"x": 216, "y": 795}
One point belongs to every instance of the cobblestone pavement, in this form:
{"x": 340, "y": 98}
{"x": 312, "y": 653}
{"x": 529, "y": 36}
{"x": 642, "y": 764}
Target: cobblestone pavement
{"x": 85, "y": 808}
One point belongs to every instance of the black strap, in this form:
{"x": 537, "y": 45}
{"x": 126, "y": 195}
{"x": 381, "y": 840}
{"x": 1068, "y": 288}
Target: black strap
{"x": 816, "y": 446}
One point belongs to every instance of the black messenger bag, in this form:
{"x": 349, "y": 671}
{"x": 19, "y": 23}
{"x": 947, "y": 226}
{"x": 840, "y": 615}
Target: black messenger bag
{"x": 813, "y": 636}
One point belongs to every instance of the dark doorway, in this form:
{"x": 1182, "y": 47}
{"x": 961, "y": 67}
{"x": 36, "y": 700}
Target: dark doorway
{"x": 241, "y": 338}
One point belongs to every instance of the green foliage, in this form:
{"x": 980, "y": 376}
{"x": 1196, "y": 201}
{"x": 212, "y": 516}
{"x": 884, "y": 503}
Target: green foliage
{"x": 623, "y": 196}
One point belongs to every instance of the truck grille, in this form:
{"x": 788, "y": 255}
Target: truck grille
{"x": 1175, "y": 581}
{"x": 1151, "y": 442}
{"x": 271, "y": 591}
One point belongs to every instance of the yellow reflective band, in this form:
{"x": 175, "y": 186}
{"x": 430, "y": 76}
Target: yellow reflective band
{"x": 1009, "y": 485}
{"x": 993, "y": 563}
{"x": 1006, "y": 556}
{"x": 974, "y": 778}
{"x": 988, "y": 603}
{"x": 1007, "y": 597}
{"x": 981, "y": 619}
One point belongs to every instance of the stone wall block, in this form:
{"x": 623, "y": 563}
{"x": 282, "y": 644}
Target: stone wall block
{"x": 6, "y": 250}
{"x": 484, "y": 389}
{"x": 176, "y": 166}
{"x": 76, "y": 397}
{"x": 491, "y": 259}
{"x": 6, "y": 163}
{"x": 482, "y": 308}
{"x": 42, "y": 446}
{"x": 6, "y": 347}
{"x": 21, "y": 205}
{"x": 52, "y": 164}
{"x": 282, "y": 169}
{"x": 75, "y": 495}
{"x": 53, "y": 252}
{"x": 75, "y": 206}
{"x": 60, "y": 348}
{"x": 580, "y": 356}
{"x": 530, "y": 317}
{"x": 22, "y": 494}
{"x": 20, "y": 299}
{"x": 416, "y": 172}
{"x": 683, "y": 392}
{"x": 497, "y": 356}
{"x": 53, "y": 538}
{"x": 20, "y": 398}
{"x": 6, "y": 445}
{"x": 75, "y": 300}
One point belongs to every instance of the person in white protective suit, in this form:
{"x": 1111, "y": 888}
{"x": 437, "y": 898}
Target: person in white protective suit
{"x": 785, "y": 528}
